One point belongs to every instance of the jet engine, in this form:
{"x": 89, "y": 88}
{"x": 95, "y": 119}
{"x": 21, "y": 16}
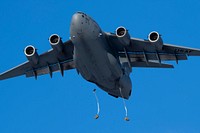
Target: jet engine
{"x": 155, "y": 38}
{"x": 31, "y": 54}
{"x": 123, "y": 36}
{"x": 56, "y": 43}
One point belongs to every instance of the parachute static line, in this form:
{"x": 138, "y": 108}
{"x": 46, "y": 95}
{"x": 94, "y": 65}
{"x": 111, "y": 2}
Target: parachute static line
{"x": 98, "y": 106}
{"x": 125, "y": 108}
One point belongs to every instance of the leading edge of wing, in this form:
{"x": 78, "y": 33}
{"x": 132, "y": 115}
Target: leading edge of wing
{"x": 27, "y": 70}
{"x": 16, "y": 71}
{"x": 48, "y": 62}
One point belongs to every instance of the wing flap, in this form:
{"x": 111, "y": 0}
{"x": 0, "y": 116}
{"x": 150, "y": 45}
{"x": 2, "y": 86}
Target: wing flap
{"x": 140, "y": 56}
{"x": 49, "y": 69}
{"x": 151, "y": 65}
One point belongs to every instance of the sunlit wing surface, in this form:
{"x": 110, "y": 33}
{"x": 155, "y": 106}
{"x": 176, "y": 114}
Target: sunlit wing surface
{"x": 142, "y": 53}
{"x": 146, "y": 46}
{"x": 48, "y": 63}
{"x": 105, "y": 59}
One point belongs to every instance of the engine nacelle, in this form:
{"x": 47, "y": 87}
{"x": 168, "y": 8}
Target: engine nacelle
{"x": 155, "y": 38}
{"x": 56, "y": 43}
{"x": 31, "y": 54}
{"x": 123, "y": 36}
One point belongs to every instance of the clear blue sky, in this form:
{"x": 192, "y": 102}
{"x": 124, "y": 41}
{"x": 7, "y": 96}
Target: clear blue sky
{"x": 163, "y": 100}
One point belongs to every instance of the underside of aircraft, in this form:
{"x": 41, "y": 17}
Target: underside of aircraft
{"x": 103, "y": 58}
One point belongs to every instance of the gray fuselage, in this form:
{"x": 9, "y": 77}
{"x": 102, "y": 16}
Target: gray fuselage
{"x": 95, "y": 59}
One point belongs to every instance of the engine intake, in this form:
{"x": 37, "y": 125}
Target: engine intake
{"x": 31, "y": 54}
{"x": 155, "y": 38}
{"x": 123, "y": 36}
{"x": 56, "y": 43}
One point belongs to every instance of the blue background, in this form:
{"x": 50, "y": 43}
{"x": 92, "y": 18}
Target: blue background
{"x": 163, "y": 100}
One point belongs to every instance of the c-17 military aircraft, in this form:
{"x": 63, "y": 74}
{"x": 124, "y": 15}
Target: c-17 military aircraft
{"x": 105, "y": 59}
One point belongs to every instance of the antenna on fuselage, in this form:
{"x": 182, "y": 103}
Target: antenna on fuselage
{"x": 125, "y": 108}
{"x": 98, "y": 106}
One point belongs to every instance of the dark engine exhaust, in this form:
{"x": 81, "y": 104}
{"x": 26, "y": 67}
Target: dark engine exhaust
{"x": 31, "y": 54}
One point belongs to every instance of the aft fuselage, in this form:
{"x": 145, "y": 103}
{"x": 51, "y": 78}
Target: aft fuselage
{"x": 94, "y": 58}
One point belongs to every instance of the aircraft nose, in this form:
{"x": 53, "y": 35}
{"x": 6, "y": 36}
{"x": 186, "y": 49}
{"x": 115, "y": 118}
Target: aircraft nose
{"x": 77, "y": 17}
{"x": 77, "y": 22}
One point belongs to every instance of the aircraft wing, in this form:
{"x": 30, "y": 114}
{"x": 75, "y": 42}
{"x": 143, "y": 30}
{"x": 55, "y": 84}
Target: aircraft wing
{"x": 142, "y": 53}
{"x": 49, "y": 62}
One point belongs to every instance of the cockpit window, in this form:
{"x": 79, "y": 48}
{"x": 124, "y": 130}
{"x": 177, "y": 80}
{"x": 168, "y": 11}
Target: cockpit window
{"x": 80, "y": 12}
